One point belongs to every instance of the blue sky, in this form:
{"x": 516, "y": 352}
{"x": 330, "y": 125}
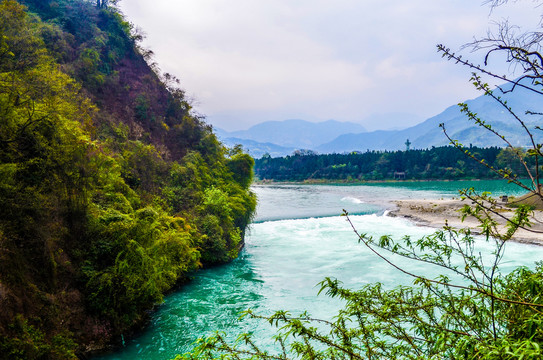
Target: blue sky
{"x": 245, "y": 61}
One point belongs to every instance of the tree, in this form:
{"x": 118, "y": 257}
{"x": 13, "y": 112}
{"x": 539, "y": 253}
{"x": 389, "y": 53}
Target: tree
{"x": 471, "y": 311}
{"x": 102, "y": 4}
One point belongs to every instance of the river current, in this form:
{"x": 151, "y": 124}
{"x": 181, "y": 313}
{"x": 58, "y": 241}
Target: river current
{"x": 297, "y": 239}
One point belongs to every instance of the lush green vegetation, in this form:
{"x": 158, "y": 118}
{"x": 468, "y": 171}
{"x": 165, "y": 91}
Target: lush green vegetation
{"x": 112, "y": 192}
{"x": 445, "y": 162}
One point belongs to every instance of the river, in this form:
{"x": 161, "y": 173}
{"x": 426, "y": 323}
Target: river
{"x": 297, "y": 239}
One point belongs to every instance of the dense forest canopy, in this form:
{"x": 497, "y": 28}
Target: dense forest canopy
{"x": 438, "y": 163}
{"x": 112, "y": 191}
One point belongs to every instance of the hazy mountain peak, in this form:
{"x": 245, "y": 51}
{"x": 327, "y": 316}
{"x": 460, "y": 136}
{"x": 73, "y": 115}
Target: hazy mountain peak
{"x": 391, "y": 121}
{"x": 458, "y": 126}
{"x": 294, "y": 133}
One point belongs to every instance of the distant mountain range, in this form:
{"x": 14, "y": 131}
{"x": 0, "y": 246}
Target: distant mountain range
{"x": 458, "y": 126}
{"x": 257, "y": 149}
{"x": 280, "y": 138}
{"x": 283, "y": 137}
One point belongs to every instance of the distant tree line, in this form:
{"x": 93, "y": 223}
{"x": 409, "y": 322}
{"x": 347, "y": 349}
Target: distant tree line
{"x": 445, "y": 162}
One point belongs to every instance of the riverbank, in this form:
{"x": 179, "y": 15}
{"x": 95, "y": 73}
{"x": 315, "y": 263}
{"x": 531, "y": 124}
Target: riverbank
{"x": 258, "y": 182}
{"x": 437, "y": 213}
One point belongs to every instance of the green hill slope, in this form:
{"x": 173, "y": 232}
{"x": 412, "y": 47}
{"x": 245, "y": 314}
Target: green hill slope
{"x": 112, "y": 192}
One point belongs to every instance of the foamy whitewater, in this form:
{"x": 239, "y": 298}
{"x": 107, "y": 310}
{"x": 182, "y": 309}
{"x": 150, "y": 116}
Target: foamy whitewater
{"x": 297, "y": 240}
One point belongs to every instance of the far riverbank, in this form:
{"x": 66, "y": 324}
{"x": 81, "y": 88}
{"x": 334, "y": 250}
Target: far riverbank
{"x": 440, "y": 212}
{"x": 361, "y": 182}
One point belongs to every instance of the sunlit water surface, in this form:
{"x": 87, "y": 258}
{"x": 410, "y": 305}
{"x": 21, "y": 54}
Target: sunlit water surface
{"x": 298, "y": 239}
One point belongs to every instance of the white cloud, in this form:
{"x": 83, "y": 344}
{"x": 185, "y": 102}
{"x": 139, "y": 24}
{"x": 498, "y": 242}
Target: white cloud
{"x": 274, "y": 59}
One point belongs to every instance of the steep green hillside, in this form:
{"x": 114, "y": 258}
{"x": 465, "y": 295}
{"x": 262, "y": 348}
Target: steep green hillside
{"x": 112, "y": 192}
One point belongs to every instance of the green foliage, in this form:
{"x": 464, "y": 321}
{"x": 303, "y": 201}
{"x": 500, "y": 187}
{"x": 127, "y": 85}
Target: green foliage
{"x": 112, "y": 191}
{"x": 511, "y": 159}
{"x": 215, "y": 202}
{"x": 29, "y": 342}
{"x": 241, "y": 165}
{"x": 444, "y": 162}
{"x": 132, "y": 259}
{"x": 143, "y": 167}
{"x": 221, "y": 239}
{"x": 523, "y": 322}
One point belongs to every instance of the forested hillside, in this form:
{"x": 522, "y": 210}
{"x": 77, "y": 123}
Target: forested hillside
{"x": 111, "y": 191}
{"x": 445, "y": 162}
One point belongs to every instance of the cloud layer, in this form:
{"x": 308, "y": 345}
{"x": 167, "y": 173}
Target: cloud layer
{"x": 247, "y": 61}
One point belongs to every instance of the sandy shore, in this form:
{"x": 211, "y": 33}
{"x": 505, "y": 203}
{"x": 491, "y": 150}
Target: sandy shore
{"x": 435, "y": 213}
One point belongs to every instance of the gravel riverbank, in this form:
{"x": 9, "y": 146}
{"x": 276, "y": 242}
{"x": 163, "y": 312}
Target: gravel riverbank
{"x": 438, "y": 213}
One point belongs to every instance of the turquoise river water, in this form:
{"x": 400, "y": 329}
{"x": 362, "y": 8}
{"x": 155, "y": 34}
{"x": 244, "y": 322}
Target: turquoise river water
{"x": 296, "y": 240}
